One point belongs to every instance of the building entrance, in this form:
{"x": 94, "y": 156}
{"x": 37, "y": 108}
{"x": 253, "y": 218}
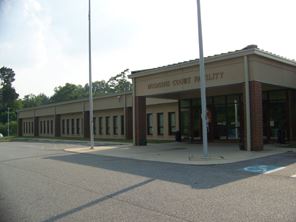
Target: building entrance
{"x": 275, "y": 118}
{"x": 224, "y": 118}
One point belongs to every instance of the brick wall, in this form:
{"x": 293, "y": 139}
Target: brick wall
{"x": 140, "y": 120}
{"x": 256, "y": 115}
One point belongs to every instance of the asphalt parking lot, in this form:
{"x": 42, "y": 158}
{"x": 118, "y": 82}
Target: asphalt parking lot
{"x": 41, "y": 182}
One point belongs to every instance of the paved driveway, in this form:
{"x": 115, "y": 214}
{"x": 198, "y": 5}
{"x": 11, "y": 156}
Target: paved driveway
{"x": 40, "y": 182}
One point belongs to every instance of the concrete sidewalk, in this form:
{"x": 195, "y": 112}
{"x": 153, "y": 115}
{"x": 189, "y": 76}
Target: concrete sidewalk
{"x": 181, "y": 153}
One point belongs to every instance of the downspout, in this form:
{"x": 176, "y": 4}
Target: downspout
{"x": 134, "y": 111}
{"x": 247, "y": 105}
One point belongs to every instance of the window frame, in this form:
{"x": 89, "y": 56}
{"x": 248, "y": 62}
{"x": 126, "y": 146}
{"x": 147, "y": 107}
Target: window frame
{"x": 160, "y": 124}
{"x": 77, "y": 126}
{"x": 47, "y": 127}
{"x": 51, "y": 127}
{"x": 149, "y": 126}
{"x": 115, "y": 125}
{"x": 72, "y": 126}
{"x": 107, "y": 125}
{"x": 100, "y": 125}
{"x": 122, "y": 126}
{"x": 172, "y": 127}
{"x": 63, "y": 127}
{"x": 68, "y": 126}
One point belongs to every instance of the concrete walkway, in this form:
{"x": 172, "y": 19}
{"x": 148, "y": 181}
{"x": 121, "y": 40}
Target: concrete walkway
{"x": 181, "y": 153}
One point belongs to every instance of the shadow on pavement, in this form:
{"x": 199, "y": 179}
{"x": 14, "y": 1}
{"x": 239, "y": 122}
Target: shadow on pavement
{"x": 198, "y": 177}
{"x": 96, "y": 201}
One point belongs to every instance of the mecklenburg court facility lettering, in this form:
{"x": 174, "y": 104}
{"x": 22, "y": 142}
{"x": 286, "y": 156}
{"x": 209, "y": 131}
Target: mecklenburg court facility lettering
{"x": 185, "y": 81}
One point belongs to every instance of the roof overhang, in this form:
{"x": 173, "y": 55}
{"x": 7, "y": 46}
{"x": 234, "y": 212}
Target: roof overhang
{"x": 215, "y": 58}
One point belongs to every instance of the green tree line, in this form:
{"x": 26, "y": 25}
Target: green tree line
{"x": 10, "y": 99}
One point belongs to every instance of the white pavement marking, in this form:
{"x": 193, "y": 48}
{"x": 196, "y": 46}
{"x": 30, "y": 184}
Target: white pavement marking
{"x": 272, "y": 171}
{"x": 294, "y": 176}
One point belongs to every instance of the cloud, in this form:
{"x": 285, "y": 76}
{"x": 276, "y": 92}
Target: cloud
{"x": 46, "y": 42}
{"x": 36, "y": 50}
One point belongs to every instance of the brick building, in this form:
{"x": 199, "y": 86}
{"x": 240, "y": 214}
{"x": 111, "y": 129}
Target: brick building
{"x": 251, "y": 100}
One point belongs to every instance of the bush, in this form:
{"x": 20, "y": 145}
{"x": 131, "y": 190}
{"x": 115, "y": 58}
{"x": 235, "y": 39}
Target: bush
{"x": 12, "y": 128}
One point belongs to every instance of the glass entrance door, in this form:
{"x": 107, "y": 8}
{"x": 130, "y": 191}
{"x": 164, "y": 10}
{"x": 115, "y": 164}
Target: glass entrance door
{"x": 277, "y": 119}
{"x": 275, "y": 115}
{"x": 190, "y": 120}
{"x": 185, "y": 119}
{"x": 223, "y": 118}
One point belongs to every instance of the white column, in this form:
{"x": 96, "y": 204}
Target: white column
{"x": 247, "y": 104}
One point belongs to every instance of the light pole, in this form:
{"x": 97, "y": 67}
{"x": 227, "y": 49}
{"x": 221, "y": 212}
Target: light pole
{"x": 91, "y": 121}
{"x": 202, "y": 85}
{"x": 7, "y": 121}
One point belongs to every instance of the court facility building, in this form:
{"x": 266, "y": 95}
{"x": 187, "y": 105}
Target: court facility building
{"x": 251, "y": 100}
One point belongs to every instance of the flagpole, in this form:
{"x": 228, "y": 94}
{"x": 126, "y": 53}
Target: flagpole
{"x": 91, "y": 123}
{"x": 202, "y": 85}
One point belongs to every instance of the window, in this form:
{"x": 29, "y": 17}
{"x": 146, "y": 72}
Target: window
{"x": 122, "y": 125}
{"x": 95, "y": 125}
{"x": 47, "y": 126}
{"x": 40, "y": 123}
{"x": 277, "y": 95}
{"x": 149, "y": 124}
{"x": 160, "y": 123}
{"x": 68, "y": 127}
{"x": 63, "y": 126}
{"x": 100, "y": 125}
{"x": 51, "y": 126}
{"x": 72, "y": 126}
{"x": 115, "y": 125}
{"x": 172, "y": 123}
{"x": 44, "y": 127}
{"x": 78, "y": 126}
{"x": 107, "y": 125}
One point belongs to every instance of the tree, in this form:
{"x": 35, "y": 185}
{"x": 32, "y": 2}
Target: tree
{"x": 8, "y": 99}
{"x": 7, "y": 92}
{"x": 33, "y": 100}
{"x": 68, "y": 92}
{"x": 6, "y": 76}
{"x": 99, "y": 88}
{"x": 119, "y": 83}
{"x": 116, "y": 84}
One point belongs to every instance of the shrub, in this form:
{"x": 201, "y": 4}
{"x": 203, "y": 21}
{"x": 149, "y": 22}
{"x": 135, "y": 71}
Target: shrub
{"x": 12, "y": 128}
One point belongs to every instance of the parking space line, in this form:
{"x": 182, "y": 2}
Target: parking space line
{"x": 293, "y": 176}
{"x": 272, "y": 171}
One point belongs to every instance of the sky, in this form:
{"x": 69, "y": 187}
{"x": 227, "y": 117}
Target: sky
{"x": 46, "y": 41}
